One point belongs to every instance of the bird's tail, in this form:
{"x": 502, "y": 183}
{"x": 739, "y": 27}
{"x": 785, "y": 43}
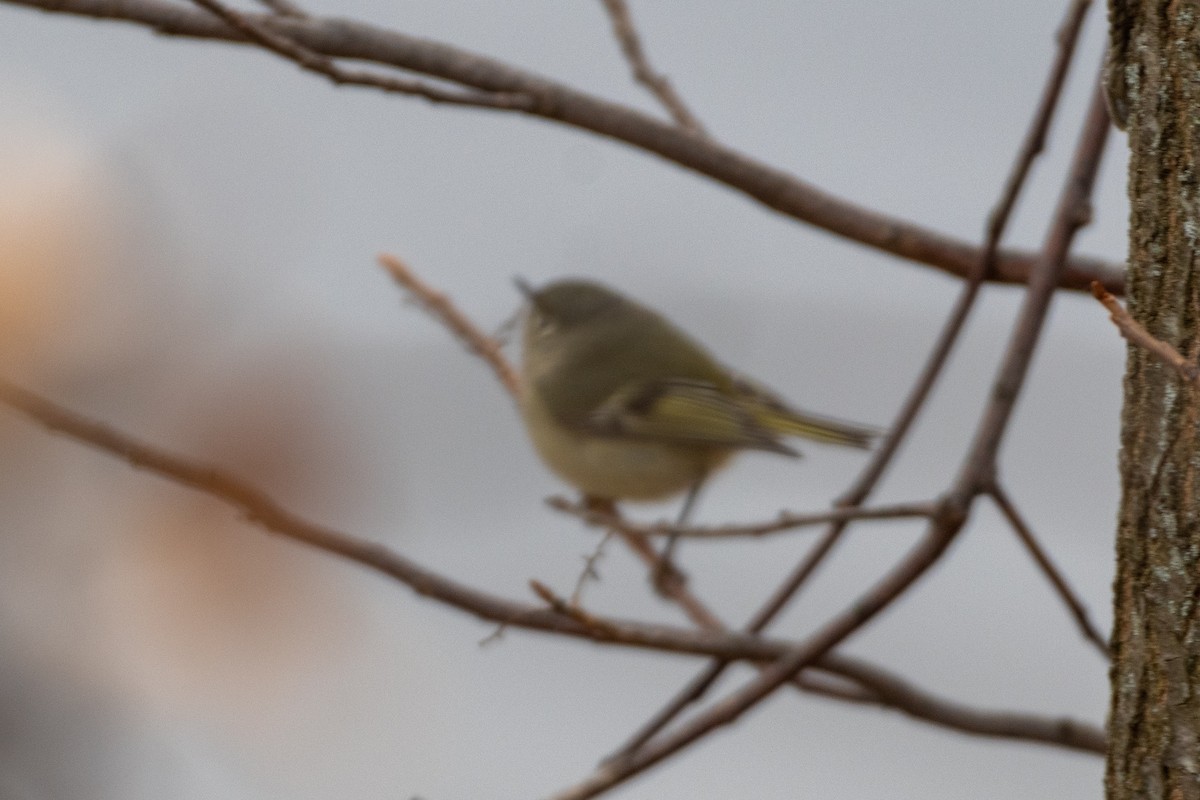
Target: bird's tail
{"x": 819, "y": 429}
{"x": 774, "y": 415}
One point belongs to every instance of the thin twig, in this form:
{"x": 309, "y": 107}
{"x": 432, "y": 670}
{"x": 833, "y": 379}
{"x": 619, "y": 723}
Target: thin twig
{"x": 771, "y": 186}
{"x": 974, "y": 477}
{"x": 874, "y": 685}
{"x": 886, "y": 691}
{"x": 993, "y": 451}
{"x": 1069, "y": 597}
{"x": 670, "y": 581}
{"x": 698, "y": 686}
{"x": 438, "y": 305}
{"x": 786, "y": 520}
{"x": 589, "y": 571}
{"x": 262, "y": 510}
{"x": 572, "y": 610}
{"x": 895, "y": 693}
{"x": 643, "y": 73}
{"x": 1137, "y": 335}
{"x": 257, "y": 29}
{"x": 858, "y": 493}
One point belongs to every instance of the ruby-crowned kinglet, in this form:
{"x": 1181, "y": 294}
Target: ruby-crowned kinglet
{"x": 623, "y": 405}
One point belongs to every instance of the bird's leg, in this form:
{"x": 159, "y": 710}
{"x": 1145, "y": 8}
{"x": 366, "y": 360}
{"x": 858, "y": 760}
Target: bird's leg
{"x": 665, "y": 567}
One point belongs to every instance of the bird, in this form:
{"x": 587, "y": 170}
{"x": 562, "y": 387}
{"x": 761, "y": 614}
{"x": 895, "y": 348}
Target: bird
{"x": 623, "y": 405}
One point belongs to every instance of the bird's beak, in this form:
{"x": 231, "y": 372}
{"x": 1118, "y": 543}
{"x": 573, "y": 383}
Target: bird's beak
{"x": 524, "y": 288}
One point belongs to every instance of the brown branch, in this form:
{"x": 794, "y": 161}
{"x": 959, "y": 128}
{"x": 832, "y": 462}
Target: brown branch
{"x": 895, "y": 693}
{"x": 589, "y": 571}
{"x": 998, "y": 220}
{"x": 696, "y": 688}
{"x": 643, "y": 73}
{"x": 669, "y": 581}
{"x": 873, "y": 685}
{"x": 786, "y": 521}
{"x": 256, "y": 28}
{"x": 870, "y": 684}
{"x": 263, "y": 511}
{"x": 560, "y": 618}
{"x": 572, "y": 610}
{"x": 1072, "y": 213}
{"x": 773, "y": 187}
{"x": 1069, "y": 597}
{"x": 951, "y": 514}
{"x": 438, "y": 305}
{"x": 882, "y": 688}
{"x": 974, "y": 477}
{"x": 1135, "y": 334}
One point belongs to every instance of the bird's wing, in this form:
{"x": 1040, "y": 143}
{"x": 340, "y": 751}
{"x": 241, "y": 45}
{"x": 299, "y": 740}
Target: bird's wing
{"x": 683, "y": 412}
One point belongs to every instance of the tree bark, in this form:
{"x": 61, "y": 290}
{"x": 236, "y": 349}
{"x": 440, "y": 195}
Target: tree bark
{"x": 1154, "y": 723}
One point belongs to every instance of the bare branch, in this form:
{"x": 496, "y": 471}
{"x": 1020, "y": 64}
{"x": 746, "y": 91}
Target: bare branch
{"x": 670, "y": 581}
{"x": 589, "y": 571}
{"x": 786, "y": 521}
{"x": 573, "y": 611}
{"x": 917, "y": 396}
{"x": 1069, "y": 597}
{"x": 438, "y": 305}
{"x": 773, "y": 187}
{"x": 1035, "y": 137}
{"x": 257, "y": 29}
{"x": 292, "y": 38}
{"x": 561, "y": 618}
{"x": 696, "y": 688}
{"x": 1138, "y": 336}
{"x": 1072, "y": 213}
{"x": 895, "y": 693}
{"x": 260, "y": 509}
{"x": 643, "y": 73}
{"x": 871, "y": 684}
{"x": 882, "y": 688}
{"x": 974, "y": 477}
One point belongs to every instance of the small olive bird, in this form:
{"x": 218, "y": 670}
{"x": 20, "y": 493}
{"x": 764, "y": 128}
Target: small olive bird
{"x": 623, "y": 405}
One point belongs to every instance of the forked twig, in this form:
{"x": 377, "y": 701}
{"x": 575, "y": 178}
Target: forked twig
{"x": 1040, "y": 557}
{"x": 947, "y": 518}
{"x": 1031, "y": 146}
{"x": 1136, "y": 334}
{"x": 775, "y": 188}
{"x": 974, "y": 477}
{"x": 880, "y": 687}
{"x": 589, "y": 571}
{"x": 786, "y": 521}
{"x": 256, "y": 31}
{"x": 437, "y": 304}
{"x": 572, "y": 610}
{"x": 870, "y": 684}
{"x": 643, "y": 73}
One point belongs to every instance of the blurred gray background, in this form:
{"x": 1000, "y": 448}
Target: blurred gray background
{"x": 187, "y": 242}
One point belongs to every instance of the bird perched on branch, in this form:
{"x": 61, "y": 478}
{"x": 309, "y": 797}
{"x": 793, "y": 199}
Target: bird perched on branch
{"x": 623, "y": 405}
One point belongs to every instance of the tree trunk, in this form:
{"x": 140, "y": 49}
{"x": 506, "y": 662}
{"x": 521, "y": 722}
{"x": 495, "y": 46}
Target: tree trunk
{"x": 1154, "y": 723}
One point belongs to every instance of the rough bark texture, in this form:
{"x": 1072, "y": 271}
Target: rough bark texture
{"x": 1154, "y": 82}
